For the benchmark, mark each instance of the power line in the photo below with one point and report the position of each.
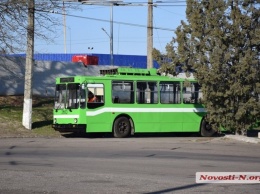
(103, 20)
(131, 3)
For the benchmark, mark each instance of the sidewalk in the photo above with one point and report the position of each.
(243, 138)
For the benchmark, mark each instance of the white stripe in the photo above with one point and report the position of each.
(66, 116)
(159, 110)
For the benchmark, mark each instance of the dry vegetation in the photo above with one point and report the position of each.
(11, 108)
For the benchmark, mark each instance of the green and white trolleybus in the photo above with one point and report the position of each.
(129, 101)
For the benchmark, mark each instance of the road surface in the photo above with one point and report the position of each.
(131, 165)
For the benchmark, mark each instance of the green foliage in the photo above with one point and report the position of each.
(221, 42)
(168, 61)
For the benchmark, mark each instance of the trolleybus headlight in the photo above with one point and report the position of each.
(75, 120)
(55, 120)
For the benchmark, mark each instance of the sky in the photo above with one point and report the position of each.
(84, 32)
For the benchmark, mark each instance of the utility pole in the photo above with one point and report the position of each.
(64, 28)
(111, 36)
(150, 35)
(27, 105)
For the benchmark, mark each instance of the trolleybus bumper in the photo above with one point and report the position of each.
(80, 128)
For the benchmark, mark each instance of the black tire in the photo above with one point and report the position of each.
(121, 127)
(206, 129)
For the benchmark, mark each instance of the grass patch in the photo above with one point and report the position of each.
(11, 113)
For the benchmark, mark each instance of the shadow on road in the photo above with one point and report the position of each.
(170, 190)
(253, 133)
(137, 135)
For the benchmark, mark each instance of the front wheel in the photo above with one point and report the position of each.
(121, 127)
(206, 129)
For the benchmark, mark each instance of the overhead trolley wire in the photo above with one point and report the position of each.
(103, 20)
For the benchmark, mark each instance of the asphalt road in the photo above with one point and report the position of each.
(131, 165)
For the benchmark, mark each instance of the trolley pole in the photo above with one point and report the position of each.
(27, 105)
(150, 35)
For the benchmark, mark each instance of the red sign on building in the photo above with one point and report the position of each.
(85, 59)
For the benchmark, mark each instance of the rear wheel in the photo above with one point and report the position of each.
(206, 129)
(122, 127)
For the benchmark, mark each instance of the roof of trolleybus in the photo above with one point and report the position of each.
(123, 73)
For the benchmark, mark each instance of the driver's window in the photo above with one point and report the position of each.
(95, 95)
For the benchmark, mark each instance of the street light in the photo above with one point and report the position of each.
(111, 45)
(110, 3)
(150, 27)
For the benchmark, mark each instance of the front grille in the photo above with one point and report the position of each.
(70, 127)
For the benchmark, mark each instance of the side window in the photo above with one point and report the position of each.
(170, 93)
(191, 93)
(123, 92)
(95, 95)
(146, 92)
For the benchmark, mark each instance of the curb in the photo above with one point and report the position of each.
(243, 138)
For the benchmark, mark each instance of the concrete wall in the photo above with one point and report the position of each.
(12, 70)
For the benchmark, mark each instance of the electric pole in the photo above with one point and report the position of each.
(64, 28)
(111, 36)
(27, 105)
(150, 35)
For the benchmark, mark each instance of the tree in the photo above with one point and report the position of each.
(169, 62)
(220, 42)
(27, 105)
(12, 19)
(13, 22)
(14, 27)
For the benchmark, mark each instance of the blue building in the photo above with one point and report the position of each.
(135, 61)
